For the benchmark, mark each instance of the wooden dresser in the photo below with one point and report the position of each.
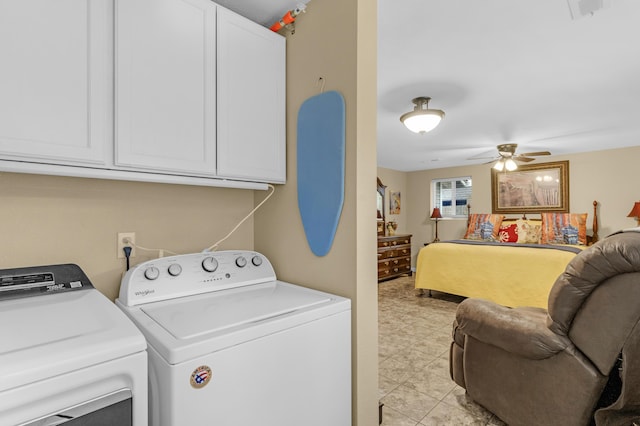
(394, 256)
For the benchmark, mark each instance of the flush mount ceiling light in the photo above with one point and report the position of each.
(422, 119)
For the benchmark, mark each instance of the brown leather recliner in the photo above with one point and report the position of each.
(532, 366)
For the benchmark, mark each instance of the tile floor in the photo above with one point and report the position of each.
(414, 339)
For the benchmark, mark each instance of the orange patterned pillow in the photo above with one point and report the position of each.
(564, 228)
(483, 227)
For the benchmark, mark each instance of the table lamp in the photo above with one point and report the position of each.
(437, 215)
(635, 212)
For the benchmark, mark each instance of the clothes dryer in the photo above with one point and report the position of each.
(67, 354)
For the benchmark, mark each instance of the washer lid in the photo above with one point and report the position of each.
(193, 326)
(45, 336)
(192, 317)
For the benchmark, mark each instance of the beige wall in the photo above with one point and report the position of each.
(48, 220)
(605, 176)
(335, 40)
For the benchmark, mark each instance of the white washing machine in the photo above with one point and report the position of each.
(67, 354)
(229, 345)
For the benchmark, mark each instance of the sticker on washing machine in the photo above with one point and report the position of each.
(200, 377)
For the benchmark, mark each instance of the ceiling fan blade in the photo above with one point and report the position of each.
(483, 158)
(535, 154)
(522, 158)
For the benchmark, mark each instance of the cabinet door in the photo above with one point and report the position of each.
(166, 85)
(56, 80)
(251, 100)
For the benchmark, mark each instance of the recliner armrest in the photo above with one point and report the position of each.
(522, 331)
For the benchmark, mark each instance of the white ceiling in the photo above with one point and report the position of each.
(506, 71)
(264, 12)
(519, 71)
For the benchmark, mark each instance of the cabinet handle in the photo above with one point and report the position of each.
(385, 244)
(395, 269)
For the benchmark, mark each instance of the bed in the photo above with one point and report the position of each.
(509, 273)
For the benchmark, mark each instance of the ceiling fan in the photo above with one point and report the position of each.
(507, 157)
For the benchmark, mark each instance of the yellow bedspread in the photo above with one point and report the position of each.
(508, 275)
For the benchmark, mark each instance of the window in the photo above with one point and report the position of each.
(452, 196)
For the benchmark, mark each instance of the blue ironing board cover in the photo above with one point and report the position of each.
(320, 160)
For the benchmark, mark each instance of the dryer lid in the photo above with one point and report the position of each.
(41, 337)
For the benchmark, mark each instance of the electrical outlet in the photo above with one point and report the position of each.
(123, 237)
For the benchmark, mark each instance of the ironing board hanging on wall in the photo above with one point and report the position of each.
(321, 155)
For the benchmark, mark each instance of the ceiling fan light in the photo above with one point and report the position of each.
(510, 165)
(422, 119)
(499, 166)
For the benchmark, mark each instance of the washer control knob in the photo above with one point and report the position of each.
(241, 262)
(175, 269)
(257, 260)
(209, 264)
(152, 273)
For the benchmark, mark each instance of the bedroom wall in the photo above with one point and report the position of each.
(606, 176)
(396, 182)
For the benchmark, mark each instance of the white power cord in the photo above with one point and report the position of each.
(214, 247)
(161, 252)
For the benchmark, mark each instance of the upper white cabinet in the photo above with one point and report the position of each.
(166, 85)
(56, 81)
(179, 91)
(180, 72)
(251, 100)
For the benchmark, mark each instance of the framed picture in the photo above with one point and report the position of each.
(531, 188)
(394, 202)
